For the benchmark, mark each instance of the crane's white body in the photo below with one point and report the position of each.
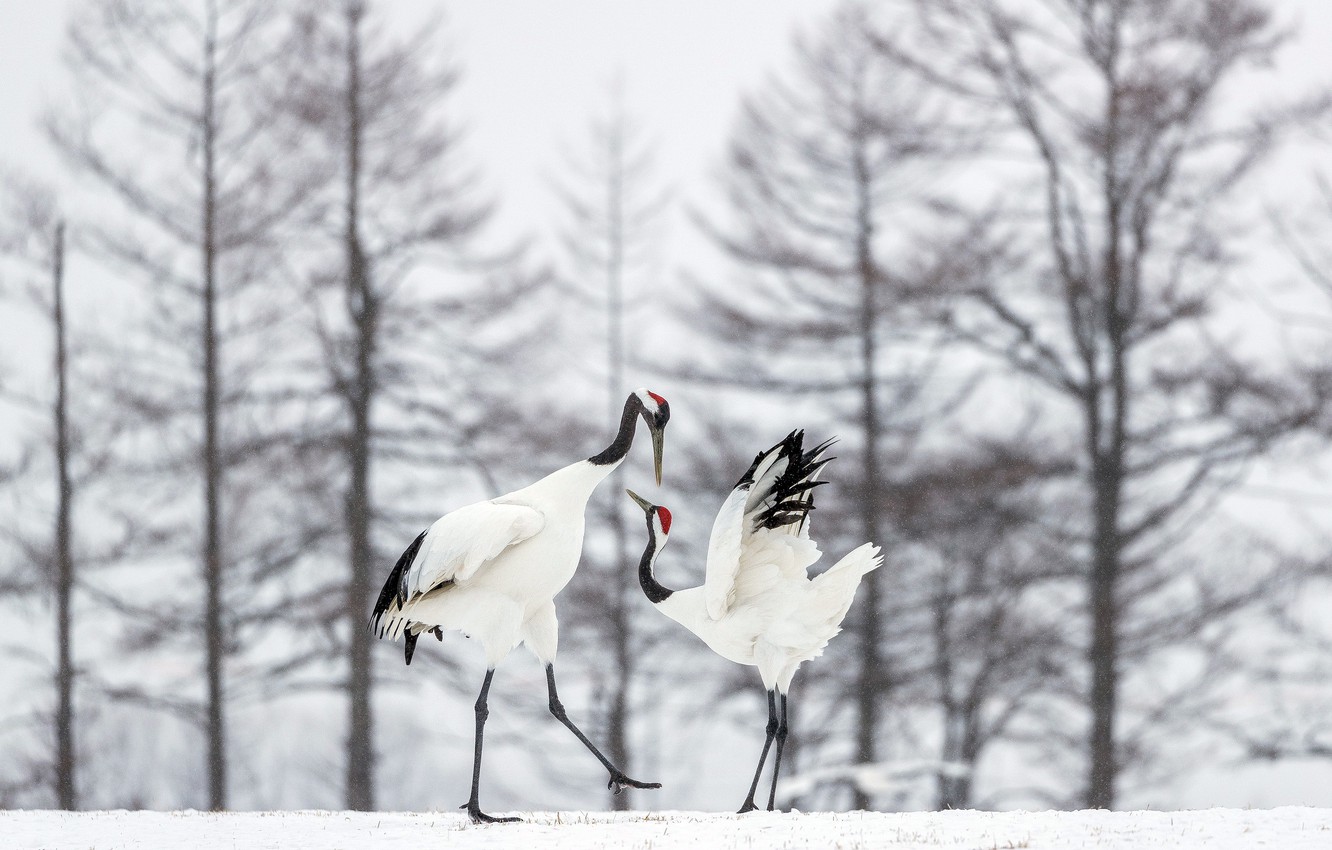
(492, 569)
(758, 605)
(781, 618)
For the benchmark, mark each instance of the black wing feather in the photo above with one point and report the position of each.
(394, 588)
(792, 495)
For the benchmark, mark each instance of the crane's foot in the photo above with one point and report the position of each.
(747, 807)
(618, 782)
(477, 816)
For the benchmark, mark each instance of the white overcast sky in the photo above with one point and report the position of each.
(534, 72)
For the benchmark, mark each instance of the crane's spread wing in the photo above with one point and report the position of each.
(769, 507)
(454, 548)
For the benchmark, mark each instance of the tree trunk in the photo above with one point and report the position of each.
(872, 676)
(946, 784)
(962, 748)
(1107, 473)
(617, 719)
(66, 761)
(214, 639)
(362, 308)
(1104, 644)
(953, 790)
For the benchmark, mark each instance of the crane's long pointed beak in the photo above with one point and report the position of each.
(642, 503)
(658, 438)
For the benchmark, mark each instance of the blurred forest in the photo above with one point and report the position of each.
(1054, 272)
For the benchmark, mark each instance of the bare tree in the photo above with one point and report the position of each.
(39, 237)
(831, 180)
(66, 769)
(614, 213)
(998, 646)
(66, 431)
(412, 323)
(1111, 303)
(186, 78)
(1291, 671)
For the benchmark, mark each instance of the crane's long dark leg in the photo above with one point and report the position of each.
(772, 733)
(777, 763)
(618, 780)
(473, 806)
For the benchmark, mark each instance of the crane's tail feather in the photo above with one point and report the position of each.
(835, 589)
(863, 559)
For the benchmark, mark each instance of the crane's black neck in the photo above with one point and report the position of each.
(616, 451)
(652, 588)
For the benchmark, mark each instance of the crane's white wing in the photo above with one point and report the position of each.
(728, 532)
(462, 541)
(763, 525)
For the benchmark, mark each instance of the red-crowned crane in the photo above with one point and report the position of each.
(757, 605)
(492, 569)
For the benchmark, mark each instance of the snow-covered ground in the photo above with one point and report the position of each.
(1215, 829)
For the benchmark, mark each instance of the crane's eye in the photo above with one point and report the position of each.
(664, 516)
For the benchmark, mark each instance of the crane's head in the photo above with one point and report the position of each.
(658, 518)
(659, 525)
(656, 413)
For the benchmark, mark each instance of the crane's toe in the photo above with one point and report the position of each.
(477, 816)
(618, 782)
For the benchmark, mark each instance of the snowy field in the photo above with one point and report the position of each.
(1216, 829)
